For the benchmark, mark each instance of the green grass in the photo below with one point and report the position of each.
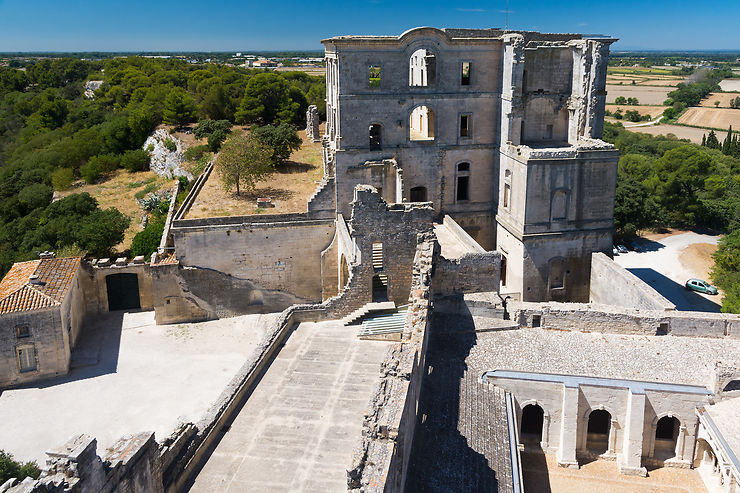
(137, 184)
(638, 71)
(142, 193)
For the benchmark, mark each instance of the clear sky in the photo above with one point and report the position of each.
(231, 25)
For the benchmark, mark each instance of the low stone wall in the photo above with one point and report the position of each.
(617, 320)
(380, 461)
(612, 284)
(166, 240)
(194, 191)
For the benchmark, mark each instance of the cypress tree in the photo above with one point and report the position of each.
(727, 144)
(712, 141)
(704, 140)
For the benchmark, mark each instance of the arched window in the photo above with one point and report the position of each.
(732, 385)
(421, 123)
(422, 68)
(532, 419)
(376, 137)
(463, 182)
(599, 426)
(559, 205)
(418, 194)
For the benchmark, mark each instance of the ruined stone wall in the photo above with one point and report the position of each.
(275, 253)
(380, 461)
(612, 284)
(471, 273)
(617, 320)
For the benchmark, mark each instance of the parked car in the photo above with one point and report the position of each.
(621, 249)
(700, 286)
(615, 251)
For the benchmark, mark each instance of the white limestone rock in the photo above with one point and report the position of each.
(165, 162)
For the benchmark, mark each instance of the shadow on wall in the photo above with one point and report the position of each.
(96, 352)
(441, 457)
(535, 474)
(677, 294)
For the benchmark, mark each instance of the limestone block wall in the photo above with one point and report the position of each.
(617, 320)
(279, 253)
(74, 309)
(471, 273)
(612, 284)
(96, 290)
(48, 338)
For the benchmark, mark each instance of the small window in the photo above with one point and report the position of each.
(503, 270)
(465, 74)
(23, 331)
(377, 256)
(463, 167)
(421, 124)
(463, 182)
(376, 137)
(464, 125)
(536, 320)
(27, 358)
(507, 193)
(374, 76)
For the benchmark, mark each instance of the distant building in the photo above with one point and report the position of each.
(41, 312)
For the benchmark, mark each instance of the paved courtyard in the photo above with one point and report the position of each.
(131, 376)
(661, 266)
(297, 430)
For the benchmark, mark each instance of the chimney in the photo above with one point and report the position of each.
(34, 279)
(44, 255)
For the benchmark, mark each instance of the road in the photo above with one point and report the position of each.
(660, 266)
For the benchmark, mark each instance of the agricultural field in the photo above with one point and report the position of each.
(729, 85)
(641, 76)
(649, 95)
(653, 111)
(289, 188)
(711, 117)
(723, 98)
(691, 133)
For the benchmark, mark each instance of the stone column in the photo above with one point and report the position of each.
(566, 455)
(680, 442)
(312, 123)
(631, 459)
(612, 437)
(545, 443)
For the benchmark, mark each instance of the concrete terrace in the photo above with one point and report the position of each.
(131, 376)
(297, 430)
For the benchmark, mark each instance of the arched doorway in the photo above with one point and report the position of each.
(123, 291)
(704, 458)
(732, 385)
(666, 436)
(599, 426)
(533, 417)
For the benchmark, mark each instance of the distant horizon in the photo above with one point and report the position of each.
(113, 26)
(315, 51)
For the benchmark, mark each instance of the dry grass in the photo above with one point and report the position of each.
(698, 258)
(723, 98)
(644, 94)
(118, 191)
(289, 188)
(730, 85)
(309, 70)
(653, 111)
(719, 118)
(691, 133)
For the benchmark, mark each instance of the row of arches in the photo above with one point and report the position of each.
(533, 431)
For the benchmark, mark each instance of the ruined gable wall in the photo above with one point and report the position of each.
(612, 284)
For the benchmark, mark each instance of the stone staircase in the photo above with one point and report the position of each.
(384, 327)
(322, 185)
(385, 306)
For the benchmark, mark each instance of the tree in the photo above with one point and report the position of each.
(269, 98)
(10, 468)
(100, 231)
(243, 161)
(620, 100)
(726, 271)
(62, 178)
(216, 131)
(35, 196)
(633, 101)
(146, 242)
(712, 141)
(179, 107)
(136, 160)
(283, 139)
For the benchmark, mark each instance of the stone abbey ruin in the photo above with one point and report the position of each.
(452, 268)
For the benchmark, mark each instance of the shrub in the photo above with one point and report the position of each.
(170, 145)
(195, 153)
(10, 468)
(62, 178)
(150, 148)
(137, 160)
(283, 139)
(146, 242)
(35, 196)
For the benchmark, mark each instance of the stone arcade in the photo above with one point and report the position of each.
(465, 221)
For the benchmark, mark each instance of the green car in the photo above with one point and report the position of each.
(700, 286)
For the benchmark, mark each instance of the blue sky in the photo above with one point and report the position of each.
(226, 25)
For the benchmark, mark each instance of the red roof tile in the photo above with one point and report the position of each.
(55, 277)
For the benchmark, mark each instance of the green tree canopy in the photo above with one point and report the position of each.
(243, 161)
(269, 98)
(179, 107)
(283, 139)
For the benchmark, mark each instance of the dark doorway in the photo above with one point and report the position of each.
(599, 424)
(380, 288)
(503, 270)
(123, 292)
(666, 436)
(376, 138)
(733, 385)
(418, 194)
(532, 419)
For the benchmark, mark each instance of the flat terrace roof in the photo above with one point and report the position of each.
(667, 359)
(487, 33)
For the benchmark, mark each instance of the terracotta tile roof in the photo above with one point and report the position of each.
(55, 277)
(169, 259)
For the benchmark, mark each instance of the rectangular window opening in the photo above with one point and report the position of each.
(23, 331)
(464, 125)
(27, 358)
(503, 270)
(465, 74)
(507, 193)
(377, 256)
(463, 183)
(374, 76)
(536, 320)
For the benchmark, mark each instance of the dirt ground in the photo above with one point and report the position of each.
(698, 257)
(289, 188)
(644, 94)
(542, 474)
(119, 191)
(653, 111)
(730, 85)
(720, 118)
(691, 133)
(723, 98)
